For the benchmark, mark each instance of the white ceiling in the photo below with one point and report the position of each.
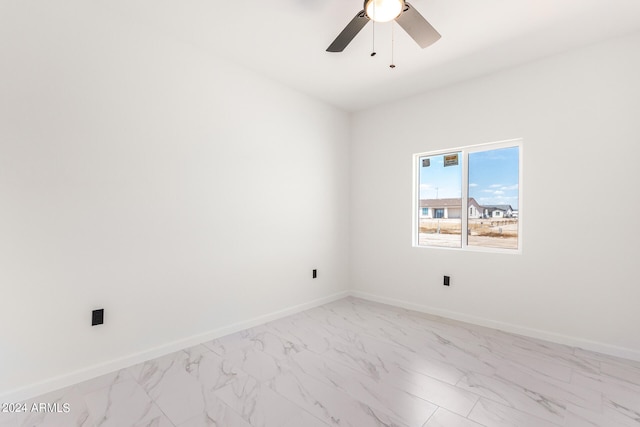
(286, 39)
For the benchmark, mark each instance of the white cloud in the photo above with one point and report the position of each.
(510, 187)
(499, 200)
(498, 193)
(495, 186)
(473, 184)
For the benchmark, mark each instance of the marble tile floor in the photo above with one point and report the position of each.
(357, 363)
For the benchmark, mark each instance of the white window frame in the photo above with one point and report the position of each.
(464, 154)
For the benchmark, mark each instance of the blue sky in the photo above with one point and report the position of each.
(439, 182)
(493, 178)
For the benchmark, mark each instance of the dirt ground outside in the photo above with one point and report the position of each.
(493, 233)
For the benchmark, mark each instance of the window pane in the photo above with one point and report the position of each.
(440, 219)
(493, 198)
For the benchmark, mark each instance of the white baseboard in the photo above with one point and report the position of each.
(52, 384)
(72, 378)
(585, 344)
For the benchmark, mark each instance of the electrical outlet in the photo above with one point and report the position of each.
(315, 274)
(446, 281)
(97, 317)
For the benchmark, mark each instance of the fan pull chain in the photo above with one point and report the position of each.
(393, 26)
(373, 39)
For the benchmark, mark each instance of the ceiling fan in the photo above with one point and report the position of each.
(384, 11)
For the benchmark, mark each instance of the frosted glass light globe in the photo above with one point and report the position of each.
(383, 10)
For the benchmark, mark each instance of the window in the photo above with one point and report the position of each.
(483, 181)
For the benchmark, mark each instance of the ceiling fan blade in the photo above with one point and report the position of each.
(417, 27)
(349, 32)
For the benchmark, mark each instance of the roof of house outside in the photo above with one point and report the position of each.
(447, 203)
(473, 202)
(500, 207)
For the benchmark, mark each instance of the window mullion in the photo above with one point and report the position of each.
(464, 215)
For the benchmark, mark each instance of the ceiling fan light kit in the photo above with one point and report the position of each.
(384, 11)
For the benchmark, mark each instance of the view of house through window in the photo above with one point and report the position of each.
(494, 192)
(441, 200)
(470, 197)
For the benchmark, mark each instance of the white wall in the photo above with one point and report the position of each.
(577, 279)
(180, 192)
(185, 194)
